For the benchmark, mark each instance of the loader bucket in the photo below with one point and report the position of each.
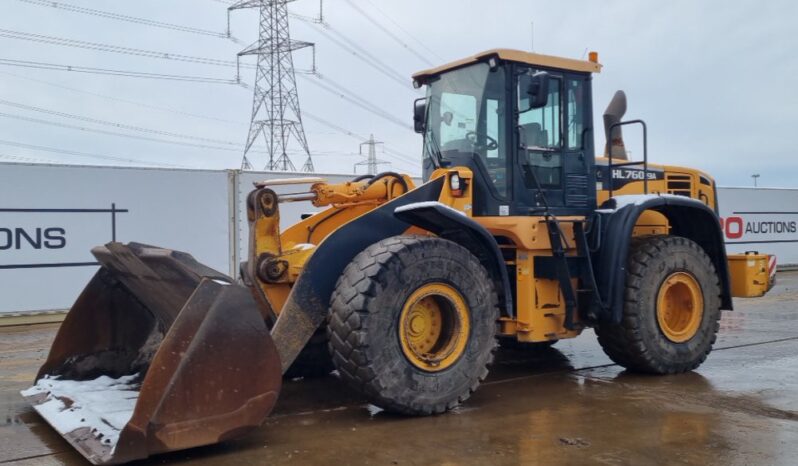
(159, 353)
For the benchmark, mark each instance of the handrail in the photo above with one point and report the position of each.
(645, 153)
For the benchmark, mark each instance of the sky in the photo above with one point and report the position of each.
(712, 79)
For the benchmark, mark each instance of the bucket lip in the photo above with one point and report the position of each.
(65, 404)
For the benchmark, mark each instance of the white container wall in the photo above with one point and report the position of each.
(51, 216)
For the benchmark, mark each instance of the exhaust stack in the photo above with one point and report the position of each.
(612, 115)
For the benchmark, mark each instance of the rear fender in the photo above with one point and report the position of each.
(688, 218)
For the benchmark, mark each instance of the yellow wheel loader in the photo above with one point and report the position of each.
(519, 233)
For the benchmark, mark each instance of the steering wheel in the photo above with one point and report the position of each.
(492, 144)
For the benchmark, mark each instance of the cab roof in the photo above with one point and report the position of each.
(519, 56)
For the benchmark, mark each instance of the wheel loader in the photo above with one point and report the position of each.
(519, 233)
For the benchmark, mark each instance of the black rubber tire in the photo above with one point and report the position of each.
(314, 360)
(637, 343)
(364, 318)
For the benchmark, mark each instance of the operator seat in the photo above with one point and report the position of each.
(533, 135)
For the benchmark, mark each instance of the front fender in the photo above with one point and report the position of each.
(453, 225)
(688, 218)
(309, 299)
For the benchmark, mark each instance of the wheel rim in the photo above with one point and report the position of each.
(434, 327)
(680, 307)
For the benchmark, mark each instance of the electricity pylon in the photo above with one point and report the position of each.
(275, 103)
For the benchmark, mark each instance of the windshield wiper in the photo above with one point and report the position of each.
(435, 153)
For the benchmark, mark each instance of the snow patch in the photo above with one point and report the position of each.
(419, 205)
(639, 199)
(105, 405)
(374, 410)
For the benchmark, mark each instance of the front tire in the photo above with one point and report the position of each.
(413, 324)
(671, 309)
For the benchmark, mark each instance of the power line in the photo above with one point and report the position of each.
(361, 54)
(27, 159)
(125, 73)
(327, 123)
(133, 102)
(127, 18)
(399, 26)
(351, 134)
(406, 158)
(336, 89)
(399, 155)
(342, 92)
(98, 121)
(113, 133)
(84, 154)
(388, 32)
(126, 101)
(41, 38)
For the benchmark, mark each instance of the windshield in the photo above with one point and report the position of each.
(466, 116)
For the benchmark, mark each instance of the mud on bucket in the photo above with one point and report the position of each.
(159, 353)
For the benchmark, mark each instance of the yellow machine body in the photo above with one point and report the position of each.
(539, 302)
(750, 277)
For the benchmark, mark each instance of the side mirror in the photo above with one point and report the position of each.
(420, 115)
(537, 90)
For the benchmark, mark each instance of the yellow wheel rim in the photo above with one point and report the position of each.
(434, 326)
(680, 307)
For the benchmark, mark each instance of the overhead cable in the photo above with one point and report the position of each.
(399, 26)
(54, 40)
(113, 133)
(336, 89)
(125, 73)
(98, 121)
(127, 18)
(388, 32)
(82, 154)
(126, 101)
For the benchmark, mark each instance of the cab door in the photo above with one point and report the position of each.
(553, 158)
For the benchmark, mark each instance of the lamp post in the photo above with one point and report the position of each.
(755, 176)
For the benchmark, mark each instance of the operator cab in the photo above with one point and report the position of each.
(522, 122)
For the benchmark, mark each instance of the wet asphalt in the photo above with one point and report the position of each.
(564, 405)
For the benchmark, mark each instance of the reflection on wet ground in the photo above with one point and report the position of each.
(563, 405)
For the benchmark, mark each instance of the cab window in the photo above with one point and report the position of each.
(458, 116)
(466, 115)
(540, 127)
(540, 132)
(576, 113)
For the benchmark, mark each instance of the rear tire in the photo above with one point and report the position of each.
(378, 331)
(671, 309)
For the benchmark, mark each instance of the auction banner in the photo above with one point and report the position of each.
(52, 216)
(761, 219)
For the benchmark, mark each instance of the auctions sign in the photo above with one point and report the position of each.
(762, 220)
(47, 238)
